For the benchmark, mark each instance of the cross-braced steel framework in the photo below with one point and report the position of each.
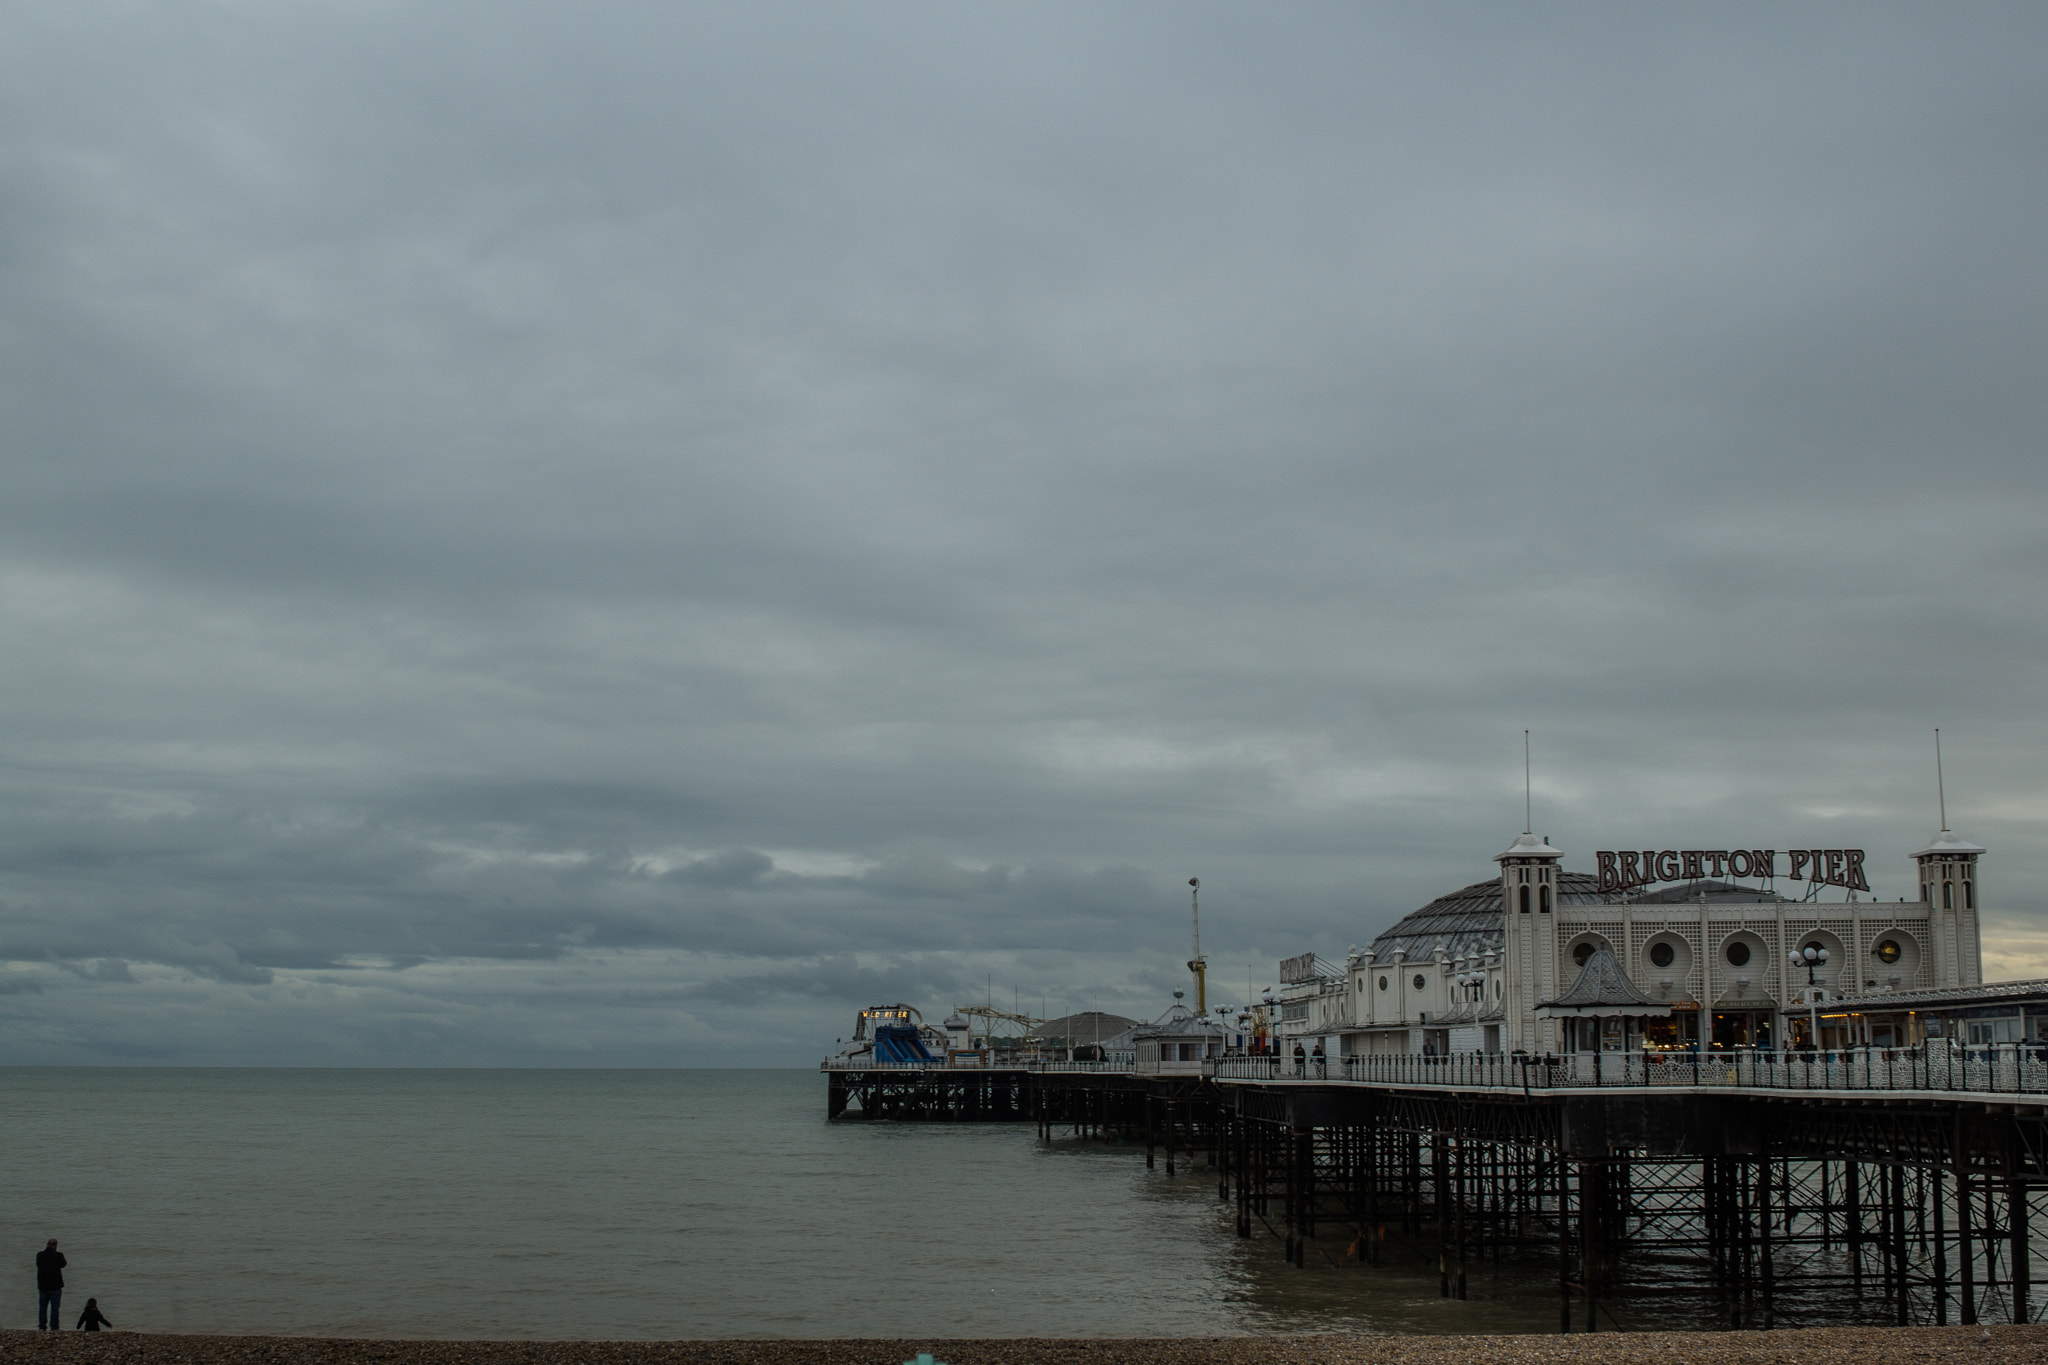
(1747, 1210)
(1744, 1212)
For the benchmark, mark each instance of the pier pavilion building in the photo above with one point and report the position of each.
(1706, 934)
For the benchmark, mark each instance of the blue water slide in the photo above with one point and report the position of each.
(900, 1045)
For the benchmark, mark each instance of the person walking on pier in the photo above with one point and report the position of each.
(50, 1265)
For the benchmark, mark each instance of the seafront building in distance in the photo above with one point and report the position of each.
(1659, 949)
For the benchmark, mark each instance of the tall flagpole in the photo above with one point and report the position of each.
(1940, 792)
(1528, 821)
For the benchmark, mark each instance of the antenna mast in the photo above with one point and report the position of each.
(1528, 821)
(1198, 964)
(1940, 792)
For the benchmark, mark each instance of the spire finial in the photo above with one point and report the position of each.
(1528, 822)
(1940, 792)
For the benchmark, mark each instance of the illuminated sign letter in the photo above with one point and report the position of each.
(1834, 877)
(1798, 869)
(1630, 874)
(1855, 869)
(1610, 879)
(1763, 862)
(1667, 865)
(1739, 863)
(1715, 858)
(1693, 871)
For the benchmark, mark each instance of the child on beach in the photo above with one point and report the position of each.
(91, 1320)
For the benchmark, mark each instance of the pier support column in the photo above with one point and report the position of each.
(1940, 1249)
(2022, 1271)
(1966, 1247)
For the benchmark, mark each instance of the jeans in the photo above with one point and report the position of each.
(46, 1304)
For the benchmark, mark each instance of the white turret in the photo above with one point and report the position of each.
(1948, 883)
(1528, 899)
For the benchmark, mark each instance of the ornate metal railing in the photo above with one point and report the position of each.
(2003, 1068)
(843, 1064)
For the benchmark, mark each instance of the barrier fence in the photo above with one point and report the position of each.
(2005, 1068)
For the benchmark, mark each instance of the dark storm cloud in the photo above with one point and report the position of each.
(524, 530)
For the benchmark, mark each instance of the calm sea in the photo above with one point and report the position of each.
(632, 1204)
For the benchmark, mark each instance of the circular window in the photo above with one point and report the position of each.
(1383, 983)
(1738, 954)
(1889, 951)
(1662, 955)
(1581, 953)
(1420, 982)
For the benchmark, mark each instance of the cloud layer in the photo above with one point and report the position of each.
(535, 537)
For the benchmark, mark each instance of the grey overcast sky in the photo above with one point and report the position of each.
(565, 534)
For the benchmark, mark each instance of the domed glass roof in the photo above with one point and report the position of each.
(1467, 921)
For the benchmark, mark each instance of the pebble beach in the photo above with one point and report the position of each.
(1998, 1345)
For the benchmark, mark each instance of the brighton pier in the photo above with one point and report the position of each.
(1755, 1190)
(1708, 1105)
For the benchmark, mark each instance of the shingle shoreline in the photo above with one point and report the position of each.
(2007, 1345)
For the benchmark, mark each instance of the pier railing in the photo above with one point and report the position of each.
(2002, 1068)
(844, 1064)
(2005, 1068)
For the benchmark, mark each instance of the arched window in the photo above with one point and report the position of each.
(1948, 895)
(1546, 900)
(1525, 900)
(1969, 899)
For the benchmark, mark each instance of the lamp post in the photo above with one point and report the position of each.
(1812, 957)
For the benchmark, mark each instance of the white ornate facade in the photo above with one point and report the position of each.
(1468, 971)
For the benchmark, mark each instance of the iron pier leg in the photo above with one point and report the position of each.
(1852, 1223)
(1564, 1246)
(1966, 1247)
(1940, 1251)
(1767, 1271)
(2021, 1271)
(1900, 1260)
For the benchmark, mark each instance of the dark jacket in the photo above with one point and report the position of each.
(50, 1265)
(91, 1320)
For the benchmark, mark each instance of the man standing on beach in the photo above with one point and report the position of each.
(49, 1286)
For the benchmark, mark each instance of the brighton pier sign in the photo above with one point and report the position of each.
(1626, 868)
